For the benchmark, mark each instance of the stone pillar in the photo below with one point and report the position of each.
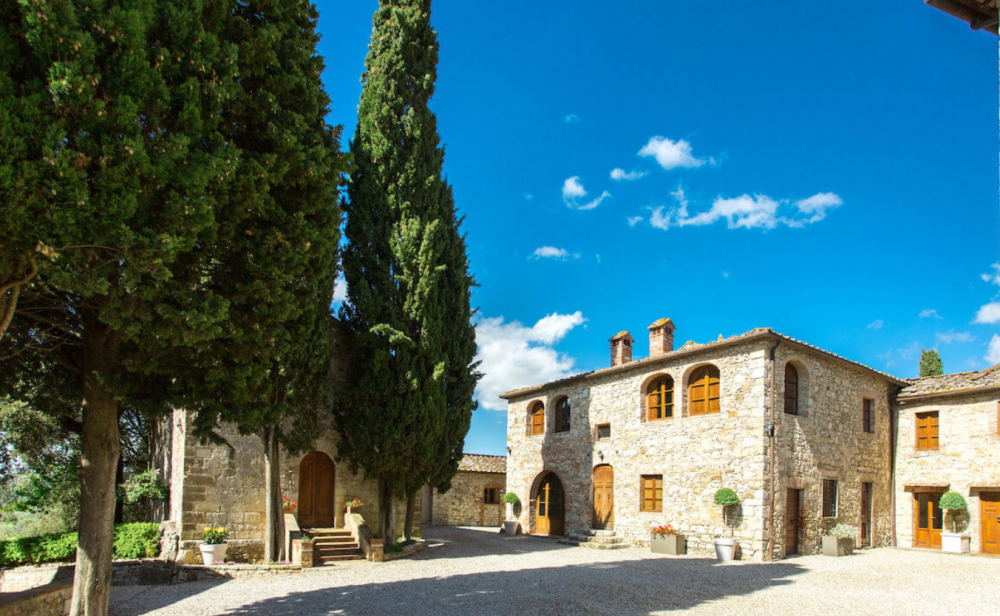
(302, 553)
(661, 337)
(621, 348)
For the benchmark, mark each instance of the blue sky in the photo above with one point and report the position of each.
(830, 174)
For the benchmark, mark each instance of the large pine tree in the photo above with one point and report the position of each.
(406, 283)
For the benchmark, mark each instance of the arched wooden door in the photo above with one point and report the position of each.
(316, 476)
(549, 506)
(604, 497)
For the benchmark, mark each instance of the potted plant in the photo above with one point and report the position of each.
(839, 540)
(664, 539)
(958, 543)
(213, 545)
(354, 503)
(510, 523)
(376, 539)
(725, 548)
(289, 506)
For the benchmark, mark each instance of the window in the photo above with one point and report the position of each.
(603, 432)
(537, 419)
(703, 391)
(791, 390)
(660, 399)
(927, 431)
(829, 498)
(652, 493)
(491, 496)
(562, 415)
(868, 413)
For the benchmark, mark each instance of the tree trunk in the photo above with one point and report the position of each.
(386, 512)
(411, 505)
(274, 525)
(8, 303)
(99, 451)
(119, 480)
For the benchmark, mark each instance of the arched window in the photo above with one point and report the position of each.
(562, 415)
(537, 419)
(703, 391)
(791, 390)
(660, 399)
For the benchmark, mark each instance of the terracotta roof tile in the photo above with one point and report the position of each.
(954, 382)
(482, 463)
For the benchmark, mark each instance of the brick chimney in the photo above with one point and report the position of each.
(621, 348)
(661, 337)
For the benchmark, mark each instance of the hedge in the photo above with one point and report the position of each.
(131, 541)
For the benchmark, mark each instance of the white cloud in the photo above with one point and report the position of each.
(595, 202)
(551, 252)
(876, 324)
(928, 313)
(571, 118)
(725, 275)
(671, 154)
(572, 188)
(993, 352)
(815, 208)
(953, 336)
(659, 220)
(340, 289)
(620, 174)
(994, 276)
(988, 314)
(513, 355)
(745, 211)
(634, 220)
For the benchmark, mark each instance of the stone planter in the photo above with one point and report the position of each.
(956, 543)
(377, 541)
(837, 546)
(302, 553)
(725, 550)
(211, 552)
(675, 545)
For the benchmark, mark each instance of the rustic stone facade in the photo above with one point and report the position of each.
(465, 503)
(967, 457)
(697, 455)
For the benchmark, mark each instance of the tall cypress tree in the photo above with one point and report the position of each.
(930, 363)
(394, 417)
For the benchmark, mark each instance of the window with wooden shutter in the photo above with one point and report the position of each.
(652, 493)
(562, 415)
(829, 498)
(491, 496)
(868, 415)
(538, 419)
(660, 399)
(703, 391)
(927, 431)
(791, 390)
(603, 432)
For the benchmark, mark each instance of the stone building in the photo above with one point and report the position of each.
(802, 435)
(949, 439)
(476, 494)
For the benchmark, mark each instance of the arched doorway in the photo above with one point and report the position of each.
(604, 497)
(316, 475)
(549, 505)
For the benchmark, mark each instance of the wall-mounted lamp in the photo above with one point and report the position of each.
(508, 451)
(768, 427)
(600, 454)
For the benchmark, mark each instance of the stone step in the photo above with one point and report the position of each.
(327, 532)
(592, 545)
(321, 540)
(337, 549)
(327, 560)
(604, 539)
(597, 533)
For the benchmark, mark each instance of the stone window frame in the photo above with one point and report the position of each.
(686, 393)
(556, 415)
(644, 400)
(802, 393)
(868, 419)
(823, 497)
(497, 491)
(530, 418)
(597, 432)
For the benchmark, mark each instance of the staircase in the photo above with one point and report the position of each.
(333, 544)
(595, 539)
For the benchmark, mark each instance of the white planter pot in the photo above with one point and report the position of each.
(510, 527)
(212, 552)
(725, 549)
(956, 543)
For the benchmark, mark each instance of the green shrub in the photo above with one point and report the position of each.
(145, 485)
(56, 548)
(952, 501)
(726, 497)
(511, 499)
(843, 531)
(141, 540)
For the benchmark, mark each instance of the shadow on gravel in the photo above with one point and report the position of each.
(615, 587)
(481, 542)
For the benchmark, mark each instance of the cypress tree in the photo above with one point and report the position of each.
(394, 419)
(930, 363)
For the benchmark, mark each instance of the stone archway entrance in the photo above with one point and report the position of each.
(550, 505)
(316, 479)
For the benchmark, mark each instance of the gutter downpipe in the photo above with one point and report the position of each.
(891, 395)
(770, 448)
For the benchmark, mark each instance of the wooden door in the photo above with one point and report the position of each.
(989, 523)
(604, 497)
(316, 480)
(867, 491)
(927, 520)
(793, 521)
(549, 507)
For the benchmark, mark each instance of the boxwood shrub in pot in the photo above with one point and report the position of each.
(839, 540)
(952, 503)
(510, 523)
(725, 547)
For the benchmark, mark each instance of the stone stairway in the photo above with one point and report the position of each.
(595, 539)
(333, 544)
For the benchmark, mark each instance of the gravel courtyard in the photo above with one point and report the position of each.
(473, 571)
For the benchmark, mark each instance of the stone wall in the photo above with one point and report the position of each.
(967, 459)
(826, 440)
(463, 504)
(698, 455)
(142, 572)
(52, 600)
